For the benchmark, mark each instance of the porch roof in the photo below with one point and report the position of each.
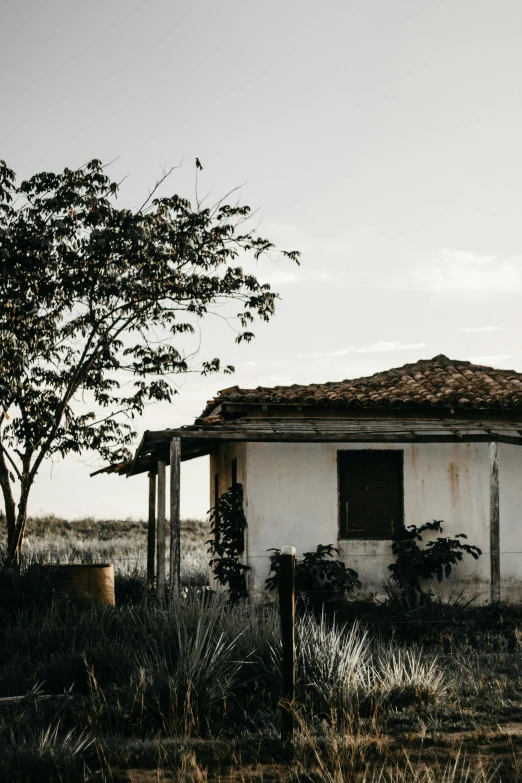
(200, 439)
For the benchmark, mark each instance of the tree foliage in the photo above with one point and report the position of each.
(95, 302)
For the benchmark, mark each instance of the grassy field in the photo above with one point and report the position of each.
(122, 542)
(189, 691)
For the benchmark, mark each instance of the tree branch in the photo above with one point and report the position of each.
(158, 184)
(13, 463)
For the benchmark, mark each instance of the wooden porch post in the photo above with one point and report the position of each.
(160, 566)
(151, 529)
(287, 614)
(494, 522)
(175, 554)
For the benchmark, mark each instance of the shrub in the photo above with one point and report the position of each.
(415, 565)
(315, 576)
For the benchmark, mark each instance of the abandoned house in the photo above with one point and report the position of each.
(351, 463)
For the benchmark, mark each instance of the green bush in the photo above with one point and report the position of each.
(316, 577)
(414, 565)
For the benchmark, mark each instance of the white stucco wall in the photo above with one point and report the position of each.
(510, 503)
(291, 498)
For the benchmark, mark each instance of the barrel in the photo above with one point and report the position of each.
(86, 582)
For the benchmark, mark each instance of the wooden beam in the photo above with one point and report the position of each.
(151, 529)
(302, 410)
(160, 565)
(197, 440)
(138, 450)
(274, 428)
(340, 436)
(494, 522)
(175, 553)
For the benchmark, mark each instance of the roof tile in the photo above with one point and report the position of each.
(439, 382)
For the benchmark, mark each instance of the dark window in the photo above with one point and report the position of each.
(370, 493)
(234, 472)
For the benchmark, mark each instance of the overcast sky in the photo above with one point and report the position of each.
(382, 138)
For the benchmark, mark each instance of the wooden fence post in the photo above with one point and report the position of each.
(494, 522)
(287, 613)
(175, 554)
(151, 530)
(160, 565)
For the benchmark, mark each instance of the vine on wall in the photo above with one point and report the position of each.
(227, 525)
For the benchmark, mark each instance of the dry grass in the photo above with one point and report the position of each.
(50, 539)
(190, 691)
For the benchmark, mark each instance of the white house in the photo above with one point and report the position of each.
(352, 462)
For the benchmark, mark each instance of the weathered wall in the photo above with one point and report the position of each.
(221, 463)
(510, 503)
(291, 498)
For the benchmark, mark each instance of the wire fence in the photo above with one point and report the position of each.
(196, 569)
(89, 558)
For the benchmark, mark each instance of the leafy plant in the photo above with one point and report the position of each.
(228, 524)
(414, 565)
(96, 303)
(314, 574)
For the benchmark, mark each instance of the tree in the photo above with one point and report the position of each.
(91, 293)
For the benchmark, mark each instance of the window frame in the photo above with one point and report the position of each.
(399, 527)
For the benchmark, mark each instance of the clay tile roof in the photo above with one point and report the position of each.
(439, 382)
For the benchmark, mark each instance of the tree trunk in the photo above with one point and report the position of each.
(14, 548)
(10, 507)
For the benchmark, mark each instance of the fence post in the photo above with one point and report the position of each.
(287, 613)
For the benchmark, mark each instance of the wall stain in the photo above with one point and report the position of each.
(453, 474)
(414, 458)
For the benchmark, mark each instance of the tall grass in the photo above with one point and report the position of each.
(53, 540)
(188, 671)
(146, 684)
(404, 676)
(334, 664)
(45, 753)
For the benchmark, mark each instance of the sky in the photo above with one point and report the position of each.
(381, 138)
